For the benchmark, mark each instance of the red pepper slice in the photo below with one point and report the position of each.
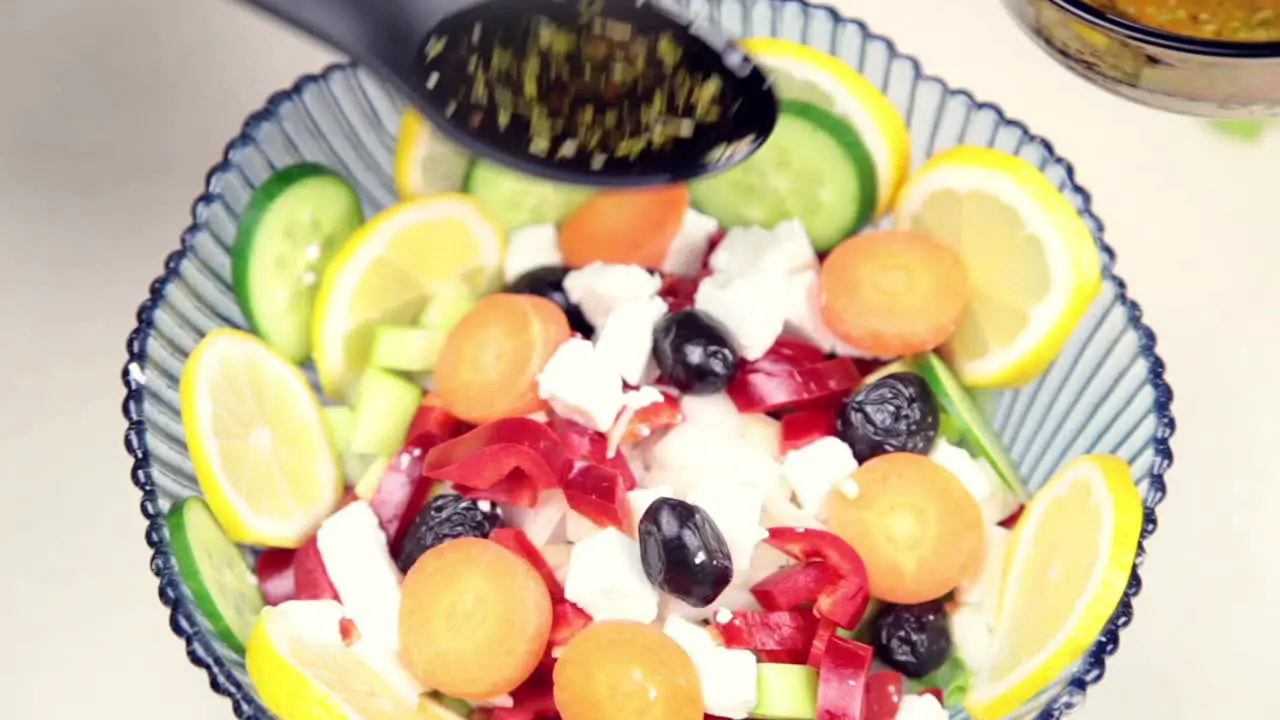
(600, 494)
(1009, 522)
(843, 602)
(309, 576)
(806, 426)
(788, 631)
(842, 680)
(567, 620)
(884, 696)
(653, 418)
(789, 352)
(435, 419)
(821, 638)
(755, 391)
(794, 586)
(517, 488)
(517, 542)
(582, 444)
(275, 575)
(484, 456)
(678, 291)
(402, 491)
(783, 657)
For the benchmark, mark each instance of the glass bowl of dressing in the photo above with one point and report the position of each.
(1212, 58)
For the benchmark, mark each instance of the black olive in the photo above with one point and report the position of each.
(912, 639)
(683, 552)
(896, 413)
(693, 352)
(548, 282)
(446, 517)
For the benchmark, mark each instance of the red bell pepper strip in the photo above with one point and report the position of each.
(402, 491)
(755, 391)
(517, 542)
(804, 427)
(435, 419)
(783, 657)
(884, 696)
(794, 586)
(582, 444)
(309, 576)
(517, 488)
(843, 602)
(482, 457)
(567, 620)
(653, 418)
(678, 291)
(789, 352)
(769, 631)
(842, 680)
(826, 630)
(1009, 522)
(275, 575)
(600, 494)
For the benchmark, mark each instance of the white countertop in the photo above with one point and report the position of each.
(112, 112)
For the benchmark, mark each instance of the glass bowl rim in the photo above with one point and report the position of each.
(1147, 35)
(184, 618)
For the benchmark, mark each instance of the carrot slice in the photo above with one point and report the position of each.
(915, 525)
(474, 619)
(632, 226)
(623, 670)
(893, 292)
(489, 365)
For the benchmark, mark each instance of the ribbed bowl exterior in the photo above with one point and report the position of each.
(1105, 393)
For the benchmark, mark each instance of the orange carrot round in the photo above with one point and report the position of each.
(632, 226)
(474, 619)
(489, 365)
(617, 670)
(893, 292)
(917, 528)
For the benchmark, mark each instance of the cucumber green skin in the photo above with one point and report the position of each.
(708, 198)
(491, 185)
(180, 541)
(955, 401)
(242, 253)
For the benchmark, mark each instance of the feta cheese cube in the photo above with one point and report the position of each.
(579, 527)
(530, 248)
(691, 454)
(804, 314)
(580, 386)
(921, 707)
(749, 250)
(813, 470)
(735, 509)
(977, 476)
(625, 341)
(714, 412)
(972, 638)
(728, 677)
(599, 288)
(752, 308)
(762, 433)
(607, 580)
(691, 243)
(353, 548)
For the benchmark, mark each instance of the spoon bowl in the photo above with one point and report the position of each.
(622, 93)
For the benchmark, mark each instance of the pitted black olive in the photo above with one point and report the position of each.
(912, 639)
(548, 282)
(683, 552)
(694, 353)
(446, 517)
(897, 413)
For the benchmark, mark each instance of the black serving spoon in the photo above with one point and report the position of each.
(570, 90)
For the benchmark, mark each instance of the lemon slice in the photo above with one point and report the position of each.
(426, 162)
(1033, 265)
(1069, 562)
(303, 670)
(258, 441)
(800, 72)
(387, 272)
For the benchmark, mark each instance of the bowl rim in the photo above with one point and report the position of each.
(184, 620)
(1147, 35)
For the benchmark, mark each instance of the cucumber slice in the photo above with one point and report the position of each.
(340, 420)
(368, 483)
(214, 570)
(786, 692)
(447, 306)
(976, 434)
(517, 200)
(291, 228)
(452, 704)
(385, 406)
(813, 167)
(404, 348)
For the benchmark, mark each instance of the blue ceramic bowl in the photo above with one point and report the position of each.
(1106, 393)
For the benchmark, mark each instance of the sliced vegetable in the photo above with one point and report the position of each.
(977, 436)
(448, 304)
(582, 444)
(802, 428)
(884, 696)
(599, 494)
(821, 637)
(474, 619)
(618, 670)
(435, 419)
(310, 579)
(490, 362)
(405, 348)
(367, 486)
(786, 692)
(844, 601)
(842, 680)
(632, 226)
(786, 632)
(292, 226)
(893, 292)
(461, 708)
(794, 586)
(402, 490)
(385, 405)
(913, 523)
(517, 542)
(653, 418)
(341, 421)
(481, 458)
(275, 575)
(813, 167)
(754, 391)
(517, 200)
(214, 570)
